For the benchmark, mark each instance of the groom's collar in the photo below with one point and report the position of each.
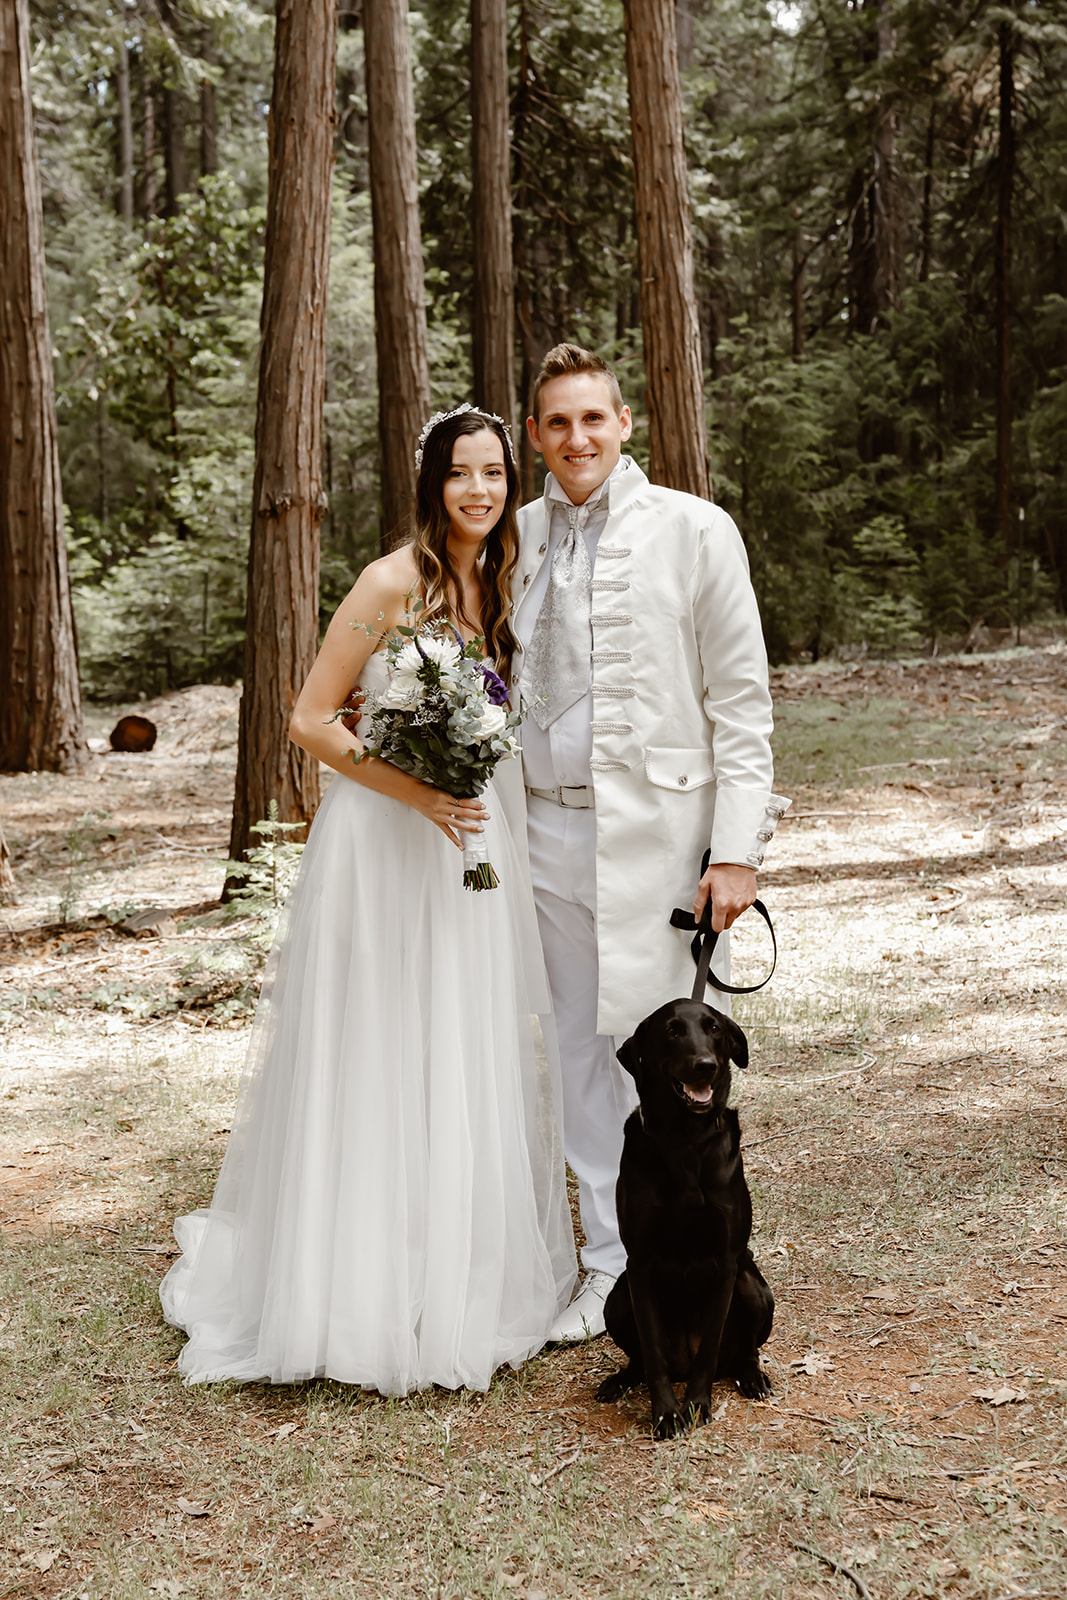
(626, 467)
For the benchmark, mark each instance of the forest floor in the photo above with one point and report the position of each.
(903, 1124)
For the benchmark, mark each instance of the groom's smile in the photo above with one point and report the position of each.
(579, 432)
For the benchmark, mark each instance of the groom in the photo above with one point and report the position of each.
(646, 738)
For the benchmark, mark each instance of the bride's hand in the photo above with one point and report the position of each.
(452, 816)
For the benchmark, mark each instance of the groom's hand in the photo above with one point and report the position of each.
(732, 890)
(353, 709)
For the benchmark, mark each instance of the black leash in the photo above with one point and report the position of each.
(704, 942)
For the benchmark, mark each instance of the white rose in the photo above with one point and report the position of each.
(493, 721)
(403, 694)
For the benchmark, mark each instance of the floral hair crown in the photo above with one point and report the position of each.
(461, 411)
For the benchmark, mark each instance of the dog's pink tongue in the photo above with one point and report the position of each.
(701, 1096)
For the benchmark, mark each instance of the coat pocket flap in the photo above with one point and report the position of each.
(670, 768)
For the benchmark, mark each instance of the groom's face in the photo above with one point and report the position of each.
(579, 432)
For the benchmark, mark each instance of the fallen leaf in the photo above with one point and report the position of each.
(170, 1587)
(44, 1560)
(513, 1580)
(285, 1430)
(322, 1524)
(861, 1555)
(999, 1397)
(135, 1427)
(886, 1292)
(192, 1508)
(813, 1364)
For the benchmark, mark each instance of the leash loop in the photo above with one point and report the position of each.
(705, 939)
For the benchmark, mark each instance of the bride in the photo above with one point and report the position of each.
(391, 1210)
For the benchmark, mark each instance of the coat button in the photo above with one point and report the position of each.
(542, 550)
(526, 580)
(682, 781)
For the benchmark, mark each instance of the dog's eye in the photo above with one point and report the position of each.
(711, 1026)
(675, 1029)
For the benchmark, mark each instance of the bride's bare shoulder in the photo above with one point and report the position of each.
(387, 583)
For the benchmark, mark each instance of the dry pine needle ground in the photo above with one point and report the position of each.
(903, 1120)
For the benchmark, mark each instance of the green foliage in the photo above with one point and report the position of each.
(264, 879)
(831, 412)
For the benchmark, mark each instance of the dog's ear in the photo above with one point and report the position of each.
(629, 1056)
(737, 1044)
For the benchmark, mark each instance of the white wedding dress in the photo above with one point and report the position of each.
(391, 1210)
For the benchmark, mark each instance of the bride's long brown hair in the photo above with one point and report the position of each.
(499, 554)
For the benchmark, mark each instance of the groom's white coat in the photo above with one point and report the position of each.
(681, 726)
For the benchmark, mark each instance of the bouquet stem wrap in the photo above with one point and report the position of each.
(477, 868)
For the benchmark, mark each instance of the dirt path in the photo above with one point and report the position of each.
(903, 1121)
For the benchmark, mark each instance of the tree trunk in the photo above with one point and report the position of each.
(122, 90)
(873, 202)
(1005, 185)
(7, 876)
(175, 164)
(40, 704)
(926, 210)
(209, 118)
(399, 308)
(797, 287)
(677, 443)
(885, 222)
(492, 311)
(281, 630)
(148, 144)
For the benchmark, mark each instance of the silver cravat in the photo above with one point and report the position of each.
(557, 661)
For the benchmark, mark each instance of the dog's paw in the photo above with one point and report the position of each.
(754, 1383)
(615, 1387)
(669, 1425)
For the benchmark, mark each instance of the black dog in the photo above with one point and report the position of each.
(692, 1305)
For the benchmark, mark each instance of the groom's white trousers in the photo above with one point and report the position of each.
(598, 1095)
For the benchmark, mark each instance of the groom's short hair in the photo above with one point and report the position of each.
(567, 359)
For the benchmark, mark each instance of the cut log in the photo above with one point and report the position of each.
(133, 734)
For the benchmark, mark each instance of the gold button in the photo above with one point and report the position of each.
(526, 580)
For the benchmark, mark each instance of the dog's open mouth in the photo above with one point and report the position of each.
(699, 1097)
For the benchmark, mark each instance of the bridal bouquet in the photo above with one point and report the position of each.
(445, 719)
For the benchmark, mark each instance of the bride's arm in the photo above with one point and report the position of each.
(374, 606)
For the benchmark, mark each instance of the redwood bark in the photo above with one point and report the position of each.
(1005, 186)
(677, 442)
(40, 703)
(281, 631)
(122, 92)
(399, 304)
(492, 312)
(209, 117)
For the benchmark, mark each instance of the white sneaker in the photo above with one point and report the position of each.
(584, 1317)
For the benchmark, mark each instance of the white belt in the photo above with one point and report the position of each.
(574, 797)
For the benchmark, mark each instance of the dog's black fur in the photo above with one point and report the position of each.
(692, 1305)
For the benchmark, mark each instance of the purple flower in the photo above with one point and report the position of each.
(495, 688)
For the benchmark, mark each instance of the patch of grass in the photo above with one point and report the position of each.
(834, 745)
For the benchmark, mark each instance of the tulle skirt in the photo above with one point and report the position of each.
(391, 1210)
